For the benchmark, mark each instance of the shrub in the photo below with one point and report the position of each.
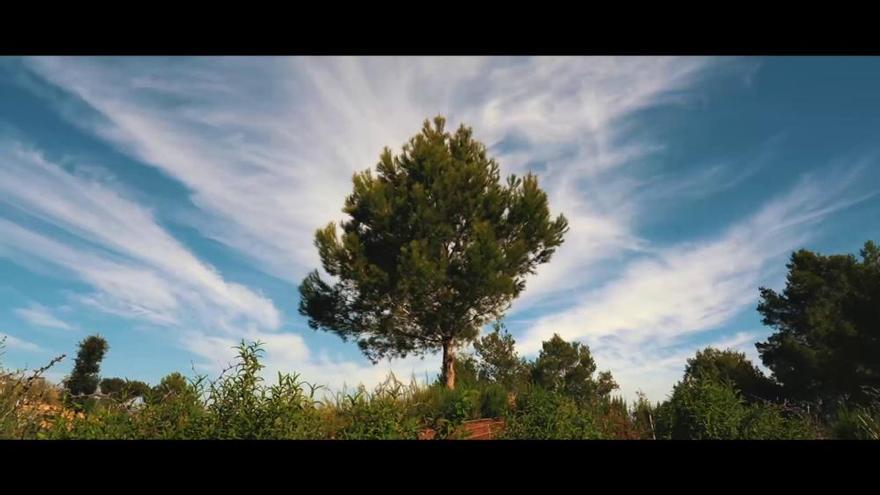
(493, 401)
(856, 422)
(443, 410)
(706, 409)
(25, 400)
(767, 421)
(546, 415)
(388, 413)
(644, 416)
(615, 420)
(702, 410)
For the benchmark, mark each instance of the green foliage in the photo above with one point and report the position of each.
(498, 361)
(237, 405)
(616, 420)
(732, 366)
(388, 413)
(859, 422)
(827, 341)
(83, 380)
(436, 246)
(702, 410)
(171, 386)
(21, 395)
(174, 410)
(768, 421)
(709, 409)
(644, 418)
(466, 374)
(548, 415)
(241, 406)
(443, 409)
(123, 389)
(568, 368)
(494, 401)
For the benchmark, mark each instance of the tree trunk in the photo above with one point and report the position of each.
(449, 365)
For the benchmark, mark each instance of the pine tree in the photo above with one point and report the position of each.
(568, 368)
(436, 246)
(827, 340)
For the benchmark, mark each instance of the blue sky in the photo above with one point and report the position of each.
(169, 204)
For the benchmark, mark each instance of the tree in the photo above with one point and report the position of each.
(435, 247)
(733, 367)
(568, 368)
(172, 385)
(466, 373)
(112, 386)
(136, 388)
(827, 340)
(498, 360)
(83, 380)
(123, 388)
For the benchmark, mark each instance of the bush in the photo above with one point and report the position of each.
(702, 410)
(767, 421)
(616, 421)
(388, 413)
(644, 417)
(705, 409)
(856, 423)
(26, 400)
(493, 401)
(547, 415)
(239, 404)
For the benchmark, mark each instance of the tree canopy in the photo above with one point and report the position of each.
(499, 361)
(83, 380)
(436, 245)
(827, 340)
(123, 388)
(733, 367)
(568, 367)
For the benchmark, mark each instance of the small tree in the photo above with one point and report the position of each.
(83, 380)
(568, 368)
(436, 246)
(498, 360)
(172, 385)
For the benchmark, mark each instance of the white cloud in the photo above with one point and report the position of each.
(267, 147)
(12, 342)
(41, 316)
(115, 245)
(288, 353)
(635, 323)
(654, 369)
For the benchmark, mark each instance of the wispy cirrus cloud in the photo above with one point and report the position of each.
(41, 316)
(116, 246)
(266, 148)
(13, 342)
(637, 323)
(138, 271)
